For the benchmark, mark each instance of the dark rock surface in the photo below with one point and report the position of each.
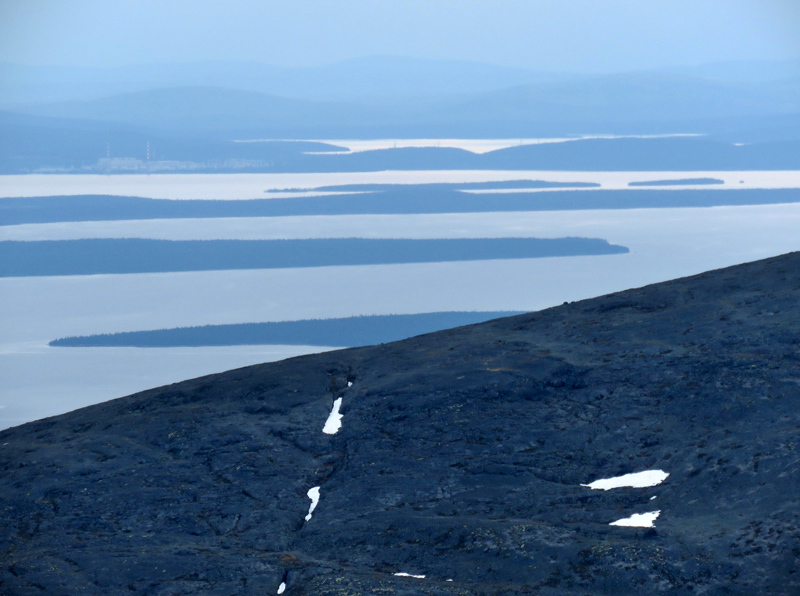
(461, 456)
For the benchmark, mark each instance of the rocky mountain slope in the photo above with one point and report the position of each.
(462, 457)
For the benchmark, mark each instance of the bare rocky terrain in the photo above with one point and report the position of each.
(461, 456)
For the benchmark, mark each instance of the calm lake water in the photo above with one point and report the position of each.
(254, 186)
(39, 380)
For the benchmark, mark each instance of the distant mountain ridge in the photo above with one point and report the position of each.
(96, 113)
(370, 78)
(204, 110)
(620, 103)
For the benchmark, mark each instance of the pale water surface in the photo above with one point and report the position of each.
(254, 186)
(39, 381)
(472, 145)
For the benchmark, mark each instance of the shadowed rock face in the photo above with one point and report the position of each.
(461, 456)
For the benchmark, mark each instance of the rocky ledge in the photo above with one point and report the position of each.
(459, 462)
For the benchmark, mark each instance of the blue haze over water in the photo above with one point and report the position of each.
(376, 261)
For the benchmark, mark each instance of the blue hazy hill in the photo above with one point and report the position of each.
(666, 154)
(630, 97)
(624, 103)
(192, 112)
(205, 110)
(371, 78)
(29, 143)
(754, 71)
(620, 154)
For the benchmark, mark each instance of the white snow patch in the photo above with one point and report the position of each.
(281, 588)
(636, 480)
(410, 575)
(638, 520)
(313, 494)
(334, 421)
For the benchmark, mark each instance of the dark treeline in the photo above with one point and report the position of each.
(344, 332)
(399, 199)
(97, 256)
(490, 185)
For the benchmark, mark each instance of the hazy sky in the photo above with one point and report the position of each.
(575, 35)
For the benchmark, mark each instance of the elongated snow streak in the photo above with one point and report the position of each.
(410, 575)
(334, 421)
(281, 588)
(636, 480)
(638, 520)
(313, 494)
